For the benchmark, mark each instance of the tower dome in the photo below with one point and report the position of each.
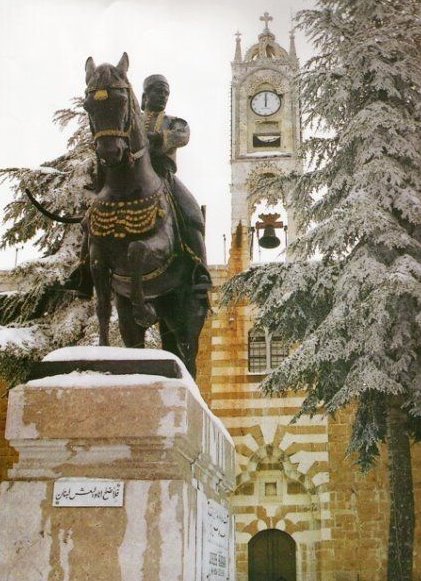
(266, 47)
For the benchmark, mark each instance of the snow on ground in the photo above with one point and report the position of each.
(21, 337)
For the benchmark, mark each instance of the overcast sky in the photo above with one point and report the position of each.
(43, 48)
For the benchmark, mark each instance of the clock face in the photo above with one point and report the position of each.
(265, 103)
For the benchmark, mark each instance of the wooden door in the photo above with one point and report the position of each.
(272, 557)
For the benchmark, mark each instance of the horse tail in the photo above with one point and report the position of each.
(52, 215)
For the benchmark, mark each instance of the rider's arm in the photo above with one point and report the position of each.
(176, 133)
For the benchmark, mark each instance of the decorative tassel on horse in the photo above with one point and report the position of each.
(124, 218)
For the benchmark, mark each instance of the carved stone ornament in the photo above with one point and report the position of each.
(257, 188)
(266, 50)
(273, 78)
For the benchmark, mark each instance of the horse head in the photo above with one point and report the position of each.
(113, 112)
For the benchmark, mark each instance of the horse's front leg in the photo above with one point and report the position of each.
(133, 335)
(143, 312)
(102, 282)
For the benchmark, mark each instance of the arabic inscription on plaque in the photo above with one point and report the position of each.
(88, 492)
(216, 538)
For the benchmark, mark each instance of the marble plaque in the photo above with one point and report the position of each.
(88, 492)
(216, 542)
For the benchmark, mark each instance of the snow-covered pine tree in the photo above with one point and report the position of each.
(351, 295)
(41, 317)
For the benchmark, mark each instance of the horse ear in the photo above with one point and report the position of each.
(89, 69)
(123, 65)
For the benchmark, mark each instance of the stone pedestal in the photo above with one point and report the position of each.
(148, 443)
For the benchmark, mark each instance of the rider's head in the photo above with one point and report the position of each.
(156, 91)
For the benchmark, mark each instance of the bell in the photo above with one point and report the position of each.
(269, 238)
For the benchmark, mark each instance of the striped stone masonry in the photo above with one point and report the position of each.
(292, 477)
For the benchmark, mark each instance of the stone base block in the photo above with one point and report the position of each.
(161, 532)
(154, 439)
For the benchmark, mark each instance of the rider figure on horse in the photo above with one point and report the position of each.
(165, 134)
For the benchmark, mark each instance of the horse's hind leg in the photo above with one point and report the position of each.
(184, 316)
(102, 282)
(132, 334)
(168, 339)
(195, 310)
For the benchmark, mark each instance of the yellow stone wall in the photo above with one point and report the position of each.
(337, 516)
(360, 511)
(8, 455)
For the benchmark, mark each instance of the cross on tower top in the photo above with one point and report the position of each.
(238, 35)
(266, 19)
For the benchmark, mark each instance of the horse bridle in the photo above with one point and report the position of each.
(101, 94)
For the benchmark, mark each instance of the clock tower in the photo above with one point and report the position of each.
(302, 511)
(265, 125)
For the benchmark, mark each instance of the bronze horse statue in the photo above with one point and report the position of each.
(135, 234)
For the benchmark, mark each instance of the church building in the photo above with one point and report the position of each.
(303, 512)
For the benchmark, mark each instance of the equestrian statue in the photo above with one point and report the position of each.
(144, 232)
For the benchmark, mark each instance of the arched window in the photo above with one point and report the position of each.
(272, 557)
(265, 351)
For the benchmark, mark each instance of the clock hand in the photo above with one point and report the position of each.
(266, 99)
